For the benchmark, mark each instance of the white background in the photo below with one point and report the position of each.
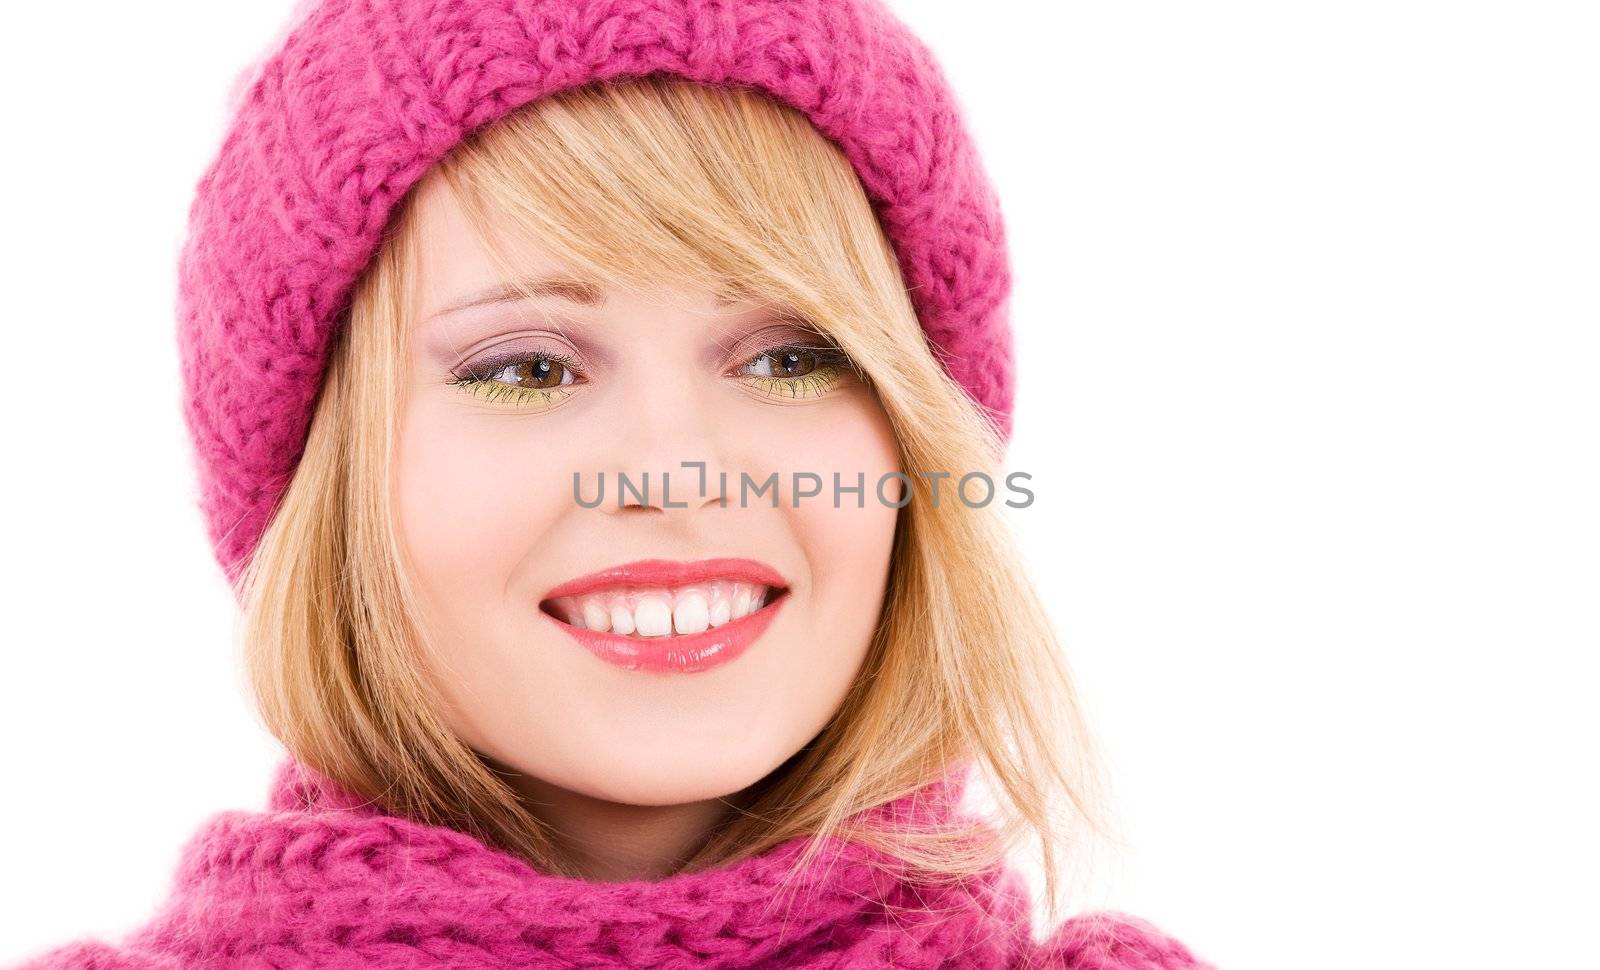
(1306, 301)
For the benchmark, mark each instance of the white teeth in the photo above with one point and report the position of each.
(682, 610)
(691, 614)
(621, 619)
(596, 617)
(652, 617)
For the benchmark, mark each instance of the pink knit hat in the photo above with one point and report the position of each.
(363, 97)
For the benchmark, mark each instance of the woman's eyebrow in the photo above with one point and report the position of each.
(568, 288)
(572, 289)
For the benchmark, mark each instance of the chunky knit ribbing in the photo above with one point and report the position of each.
(320, 879)
(365, 95)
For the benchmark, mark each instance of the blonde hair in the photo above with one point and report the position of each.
(641, 182)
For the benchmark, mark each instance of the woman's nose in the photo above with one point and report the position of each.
(668, 451)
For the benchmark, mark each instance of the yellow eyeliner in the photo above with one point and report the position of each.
(813, 384)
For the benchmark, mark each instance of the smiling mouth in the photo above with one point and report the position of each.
(663, 612)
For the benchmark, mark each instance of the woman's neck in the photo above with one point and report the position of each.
(614, 842)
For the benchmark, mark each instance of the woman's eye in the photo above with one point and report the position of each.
(784, 363)
(795, 371)
(540, 373)
(546, 379)
(530, 379)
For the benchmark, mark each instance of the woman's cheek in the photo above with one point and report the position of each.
(848, 539)
(475, 491)
(854, 440)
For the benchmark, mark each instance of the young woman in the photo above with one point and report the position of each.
(594, 403)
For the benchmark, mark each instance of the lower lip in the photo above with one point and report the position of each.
(682, 654)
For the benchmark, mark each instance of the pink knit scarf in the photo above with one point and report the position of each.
(322, 880)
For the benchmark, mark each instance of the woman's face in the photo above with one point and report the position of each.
(640, 381)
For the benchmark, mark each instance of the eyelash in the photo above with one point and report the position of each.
(832, 363)
(481, 383)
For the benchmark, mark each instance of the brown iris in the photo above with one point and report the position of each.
(792, 363)
(539, 374)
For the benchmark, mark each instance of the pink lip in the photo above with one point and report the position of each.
(668, 572)
(686, 653)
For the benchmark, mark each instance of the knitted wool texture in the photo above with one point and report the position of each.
(322, 880)
(365, 95)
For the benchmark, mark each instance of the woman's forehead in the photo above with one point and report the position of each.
(457, 272)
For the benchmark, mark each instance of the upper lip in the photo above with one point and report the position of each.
(670, 572)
